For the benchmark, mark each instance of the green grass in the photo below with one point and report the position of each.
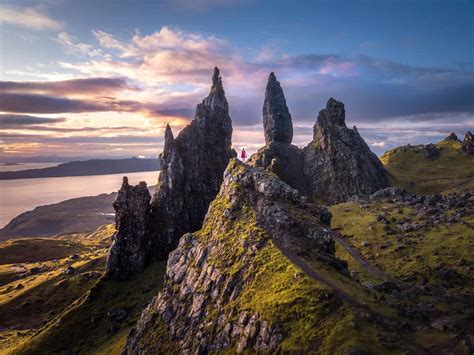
(416, 256)
(34, 288)
(84, 327)
(452, 171)
(37, 249)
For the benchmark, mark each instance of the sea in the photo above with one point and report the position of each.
(21, 195)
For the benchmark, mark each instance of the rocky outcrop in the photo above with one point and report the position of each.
(452, 137)
(216, 270)
(430, 150)
(336, 165)
(277, 123)
(279, 155)
(468, 143)
(338, 162)
(192, 167)
(128, 253)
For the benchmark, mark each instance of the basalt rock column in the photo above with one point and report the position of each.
(193, 164)
(338, 162)
(128, 253)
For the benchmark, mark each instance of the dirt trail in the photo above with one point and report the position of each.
(362, 262)
(387, 323)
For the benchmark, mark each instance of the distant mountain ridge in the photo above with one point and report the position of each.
(86, 168)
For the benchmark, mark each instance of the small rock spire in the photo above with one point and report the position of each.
(468, 143)
(452, 137)
(215, 77)
(277, 123)
(216, 98)
(168, 139)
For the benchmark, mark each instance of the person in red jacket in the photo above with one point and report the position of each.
(243, 155)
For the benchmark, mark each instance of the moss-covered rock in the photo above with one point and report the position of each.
(233, 285)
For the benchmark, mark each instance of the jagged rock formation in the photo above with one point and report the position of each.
(192, 171)
(468, 143)
(277, 123)
(279, 155)
(127, 255)
(215, 275)
(338, 162)
(336, 165)
(192, 168)
(452, 137)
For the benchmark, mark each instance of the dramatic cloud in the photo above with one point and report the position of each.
(27, 17)
(10, 121)
(102, 86)
(149, 80)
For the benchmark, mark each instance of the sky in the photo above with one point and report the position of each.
(102, 78)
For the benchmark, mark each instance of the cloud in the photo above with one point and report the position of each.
(76, 86)
(27, 17)
(161, 76)
(10, 121)
(74, 47)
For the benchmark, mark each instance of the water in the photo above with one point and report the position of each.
(18, 196)
(26, 166)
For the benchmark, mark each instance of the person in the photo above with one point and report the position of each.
(243, 155)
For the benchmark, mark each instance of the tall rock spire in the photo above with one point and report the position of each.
(277, 123)
(192, 167)
(278, 155)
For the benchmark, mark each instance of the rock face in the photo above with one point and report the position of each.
(468, 143)
(216, 270)
(192, 164)
(338, 162)
(277, 123)
(128, 253)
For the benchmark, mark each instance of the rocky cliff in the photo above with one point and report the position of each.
(231, 285)
(192, 170)
(338, 162)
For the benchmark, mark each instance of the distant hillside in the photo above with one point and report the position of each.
(84, 168)
(431, 168)
(83, 214)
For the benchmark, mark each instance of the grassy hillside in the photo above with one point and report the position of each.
(40, 277)
(100, 320)
(431, 264)
(452, 170)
